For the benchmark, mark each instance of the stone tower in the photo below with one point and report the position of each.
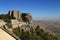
(15, 14)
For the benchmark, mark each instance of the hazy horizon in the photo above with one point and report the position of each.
(39, 9)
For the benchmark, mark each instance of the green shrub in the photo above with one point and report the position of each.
(38, 34)
(16, 31)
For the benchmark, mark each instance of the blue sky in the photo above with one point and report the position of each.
(39, 9)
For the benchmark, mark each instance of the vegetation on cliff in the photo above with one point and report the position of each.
(34, 34)
(7, 19)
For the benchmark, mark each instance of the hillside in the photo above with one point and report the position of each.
(34, 34)
(25, 29)
(50, 26)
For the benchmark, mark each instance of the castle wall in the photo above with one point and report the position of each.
(15, 14)
(14, 23)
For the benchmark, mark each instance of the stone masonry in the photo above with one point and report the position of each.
(15, 14)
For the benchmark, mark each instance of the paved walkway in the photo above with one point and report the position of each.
(5, 36)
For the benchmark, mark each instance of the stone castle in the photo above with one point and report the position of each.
(15, 14)
(18, 15)
(19, 22)
(20, 18)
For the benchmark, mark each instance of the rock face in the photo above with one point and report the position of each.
(29, 17)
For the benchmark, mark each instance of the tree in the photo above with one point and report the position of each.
(16, 31)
